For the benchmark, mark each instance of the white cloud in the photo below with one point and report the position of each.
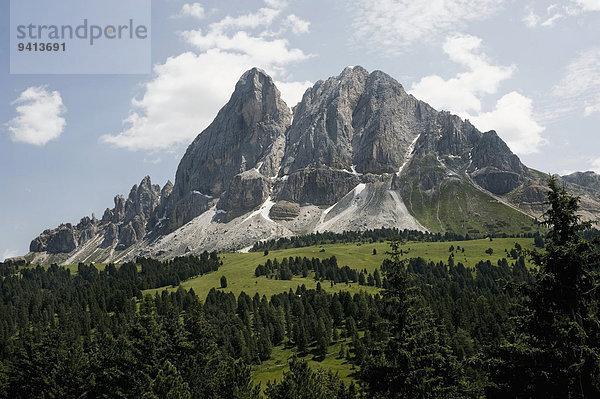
(40, 116)
(194, 10)
(579, 90)
(596, 165)
(551, 20)
(392, 25)
(261, 50)
(555, 12)
(292, 92)
(513, 120)
(461, 94)
(9, 253)
(589, 5)
(263, 17)
(531, 19)
(188, 89)
(512, 116)
(297, 25)
(591, 109)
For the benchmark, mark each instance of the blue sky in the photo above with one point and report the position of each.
(69, 143)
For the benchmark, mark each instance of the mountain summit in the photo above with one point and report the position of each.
(359, 153)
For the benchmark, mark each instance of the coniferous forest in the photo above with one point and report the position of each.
(433, 331)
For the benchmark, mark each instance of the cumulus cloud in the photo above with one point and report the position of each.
(461, 94)
(188, 89)
(596, 165)
(512, 116)
(392, 25)
(39, 117)
(513, 119)
(9, 253)
(194, 10)
(292, 92)
(589, 5)
(297, 25)
(579, 89)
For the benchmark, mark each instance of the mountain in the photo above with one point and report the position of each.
(357, 153)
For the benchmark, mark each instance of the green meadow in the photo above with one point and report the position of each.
(239, 268)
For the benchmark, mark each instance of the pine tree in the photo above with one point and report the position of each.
(416, 361)
(557, 350)
(169, 384)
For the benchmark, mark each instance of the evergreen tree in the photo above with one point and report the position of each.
(168, 384)
(300, 382)
(557, 350)
(416, 361)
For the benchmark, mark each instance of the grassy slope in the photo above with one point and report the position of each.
(460, 208)
(448, 204)
(273, 369)
(238, 268)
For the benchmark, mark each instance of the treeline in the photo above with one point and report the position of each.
(325, 269)
(436, 330)
(88, 335)
(38, 297)
(376, 235)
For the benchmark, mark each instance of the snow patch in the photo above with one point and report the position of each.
(263, 211)
(246, 250)
(409, 154)
(354, 172)
(195, 192)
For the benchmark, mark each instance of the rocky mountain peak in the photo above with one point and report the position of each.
(361, 153)
(247, 133)
(356, 118)
(120, 226)
(166, 190)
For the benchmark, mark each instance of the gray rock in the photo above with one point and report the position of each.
(316, 186)
(356, 118)
(494, 166)
(247, 191)
(359, 145)
(588, 179)
(284, 210)
(55, 241)
(123, 225)
(248, 132)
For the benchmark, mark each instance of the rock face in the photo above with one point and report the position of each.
(284, 210)
(316, 186)
(247, 191)
(59, 240)
(357, 118)
(248, 132)
(119, 228)
(588, 180)
(494, 166)
(360, 153)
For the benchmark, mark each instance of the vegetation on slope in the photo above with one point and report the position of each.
(437, 329)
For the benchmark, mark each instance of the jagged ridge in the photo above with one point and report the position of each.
(360, 153)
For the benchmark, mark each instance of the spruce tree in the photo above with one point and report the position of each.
(557, 350)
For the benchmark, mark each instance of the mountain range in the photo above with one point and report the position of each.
(356, 153)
